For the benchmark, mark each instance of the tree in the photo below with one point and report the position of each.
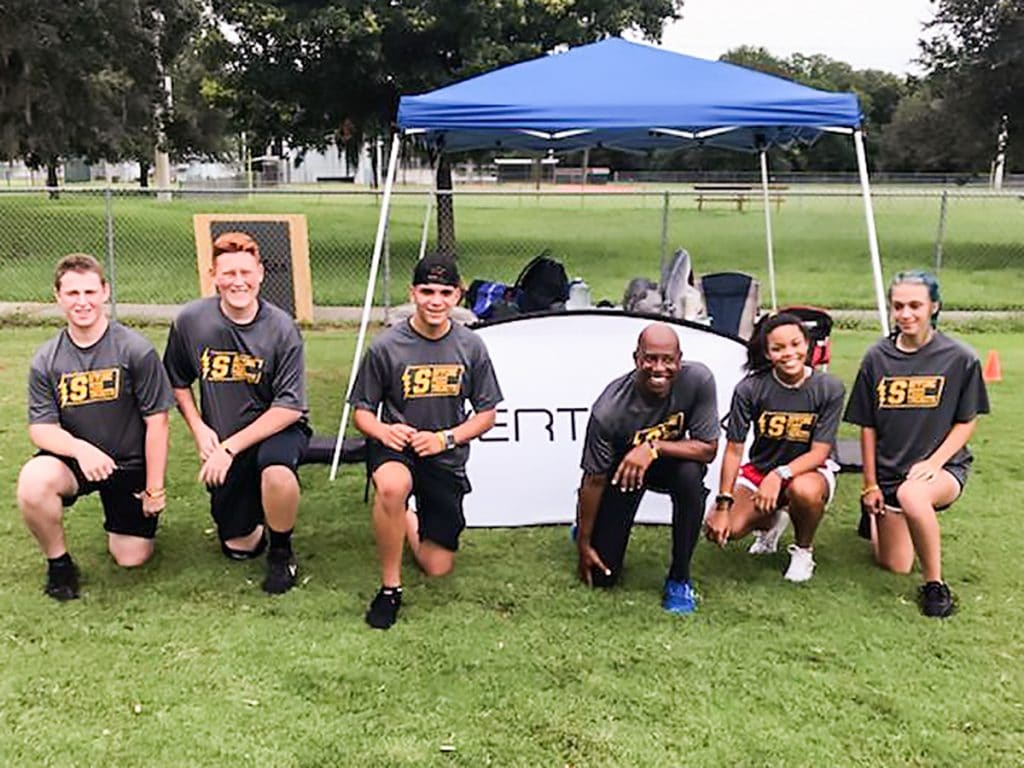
(878, 92)
(975, 74)
(85, 79)
(313, 73)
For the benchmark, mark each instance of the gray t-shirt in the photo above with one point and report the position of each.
(913, 399)
(623, 417)
(100, 393)
(785, 420)
(426, 382)
(243, 370)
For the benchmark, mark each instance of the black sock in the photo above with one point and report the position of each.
(281, 540)
(64, 561)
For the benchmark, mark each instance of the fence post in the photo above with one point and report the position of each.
(664, 232)
(941, 234)
(111, 276)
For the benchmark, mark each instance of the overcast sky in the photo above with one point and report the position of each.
(867, 34)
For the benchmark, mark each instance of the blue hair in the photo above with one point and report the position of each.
(920, 277)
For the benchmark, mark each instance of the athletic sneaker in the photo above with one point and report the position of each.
(383, 611)
(767, 542)
(936, 600)
(801, 564)
(574, 531)
(679, 597)
(62, 582)
(281, 572)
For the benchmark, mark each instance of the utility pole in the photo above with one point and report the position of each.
(1001, 141)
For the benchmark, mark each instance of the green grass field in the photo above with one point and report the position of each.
(509, 661)
(820, 242)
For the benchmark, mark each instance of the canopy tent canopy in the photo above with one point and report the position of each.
(627, 96)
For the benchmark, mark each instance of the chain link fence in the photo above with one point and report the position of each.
(606, 235)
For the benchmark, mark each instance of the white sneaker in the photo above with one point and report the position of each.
(801, 564)
(767, 542)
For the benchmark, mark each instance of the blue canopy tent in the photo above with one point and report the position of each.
(627, 96)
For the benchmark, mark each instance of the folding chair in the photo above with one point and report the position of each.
(732, 300)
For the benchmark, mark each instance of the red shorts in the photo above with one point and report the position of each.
(750, 477)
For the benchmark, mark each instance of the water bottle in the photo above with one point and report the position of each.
(579, 294)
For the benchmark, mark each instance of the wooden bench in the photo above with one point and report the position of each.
(738, 194)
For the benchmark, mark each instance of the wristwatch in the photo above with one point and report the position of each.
(449, 440)
(784, 472)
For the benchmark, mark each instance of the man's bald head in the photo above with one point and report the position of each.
(657, 335)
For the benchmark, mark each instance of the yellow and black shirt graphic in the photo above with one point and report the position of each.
(670, 429)
(793, 427)
(910, 391)
(85, 387)
(222, 366)
(432, 380)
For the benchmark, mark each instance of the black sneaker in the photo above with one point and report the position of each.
(383, 611)
(281, 572)
(62, 582)
(936, 600)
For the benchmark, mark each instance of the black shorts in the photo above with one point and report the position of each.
(237, 506)
(958, 471)
(438, 489)
(122, 511)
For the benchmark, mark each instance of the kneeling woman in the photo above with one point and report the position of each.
(916, 398)
(794, 411)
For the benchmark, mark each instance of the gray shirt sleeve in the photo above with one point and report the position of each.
(598, 450)
(973, 395)
(740, 413)
(828, 421)
(861, 408)
(42, 404)
(704, 414)
(368, 390)
(486, 393)
(177, 361)
(289, 384)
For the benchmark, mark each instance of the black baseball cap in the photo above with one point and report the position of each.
(436, 268)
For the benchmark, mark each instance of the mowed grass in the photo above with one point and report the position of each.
(508, 661)
(820, 241)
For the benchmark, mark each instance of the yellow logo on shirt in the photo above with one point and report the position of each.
(432, 380)
(785, 425)
(225, 366)
(84, 387)
(910, 391)
(670, 429)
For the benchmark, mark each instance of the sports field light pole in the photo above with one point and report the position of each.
(768, 228)
(364, 321)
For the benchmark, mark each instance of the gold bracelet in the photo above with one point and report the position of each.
(869, 489)
(653, 448)
(155, 493)
(441, 439)
(227, 450)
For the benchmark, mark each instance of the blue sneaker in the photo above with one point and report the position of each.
(679, 597)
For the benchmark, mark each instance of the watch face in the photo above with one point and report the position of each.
(449, 440)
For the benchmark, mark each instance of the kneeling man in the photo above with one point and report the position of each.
(655, 427)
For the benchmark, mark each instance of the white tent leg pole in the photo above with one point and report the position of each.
(768, 230)
(426, 227)
(378, 247)
(869, 216)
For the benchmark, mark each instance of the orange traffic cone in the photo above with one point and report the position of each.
(993, 370)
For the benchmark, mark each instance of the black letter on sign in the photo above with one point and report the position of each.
(488, 437)
(545, 411)
(572, 418)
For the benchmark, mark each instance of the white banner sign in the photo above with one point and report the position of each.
(551, 369)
